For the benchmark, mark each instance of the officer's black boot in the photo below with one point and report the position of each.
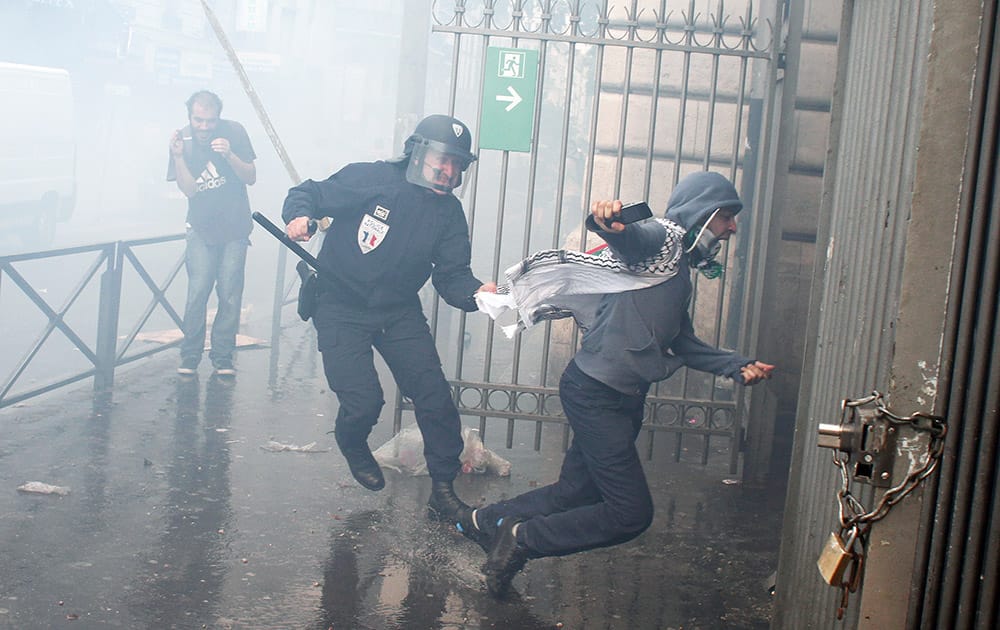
(444, 504)
(360, 460)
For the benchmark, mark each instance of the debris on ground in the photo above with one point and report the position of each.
(404, 453)
(278, 447)
(38, 487)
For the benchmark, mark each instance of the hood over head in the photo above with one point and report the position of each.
(698, 195)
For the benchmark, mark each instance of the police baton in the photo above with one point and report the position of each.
(297, 249)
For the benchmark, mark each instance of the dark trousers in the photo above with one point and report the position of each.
(601, 497)
(404, 340)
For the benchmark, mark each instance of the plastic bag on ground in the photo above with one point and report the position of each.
(404, 453)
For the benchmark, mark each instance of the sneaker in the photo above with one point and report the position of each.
(188, 367)
(225, 368)
(506, 558)
(466, 525)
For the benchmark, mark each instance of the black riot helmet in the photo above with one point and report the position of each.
(438, 152)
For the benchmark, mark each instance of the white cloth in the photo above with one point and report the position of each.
(558, 283)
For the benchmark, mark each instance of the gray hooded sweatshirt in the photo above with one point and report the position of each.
(642, 336)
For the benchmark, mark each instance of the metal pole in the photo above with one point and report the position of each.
(251, 92)
(107, 319)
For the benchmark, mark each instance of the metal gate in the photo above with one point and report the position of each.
(630, 98)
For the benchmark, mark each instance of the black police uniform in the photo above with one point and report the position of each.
(387, 237)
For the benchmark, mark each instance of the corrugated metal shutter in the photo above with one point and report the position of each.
(876, 112)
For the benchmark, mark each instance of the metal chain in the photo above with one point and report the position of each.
(852, 515)
(934, 425)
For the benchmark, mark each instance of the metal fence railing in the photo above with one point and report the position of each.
(91, 326)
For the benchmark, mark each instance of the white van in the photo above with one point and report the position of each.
(37, 151)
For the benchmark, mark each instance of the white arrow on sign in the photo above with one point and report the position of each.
(513, 99)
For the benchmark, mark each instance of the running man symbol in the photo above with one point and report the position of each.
(511, 65)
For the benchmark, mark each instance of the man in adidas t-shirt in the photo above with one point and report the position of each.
(212, 161)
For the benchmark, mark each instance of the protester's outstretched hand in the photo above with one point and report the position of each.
(605, 213)
(756, 372)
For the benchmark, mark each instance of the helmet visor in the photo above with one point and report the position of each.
(437, 165)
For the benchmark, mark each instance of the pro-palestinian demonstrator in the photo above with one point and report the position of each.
(633, 309)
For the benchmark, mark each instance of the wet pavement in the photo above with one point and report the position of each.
(177, 517)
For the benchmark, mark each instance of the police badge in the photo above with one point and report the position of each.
(371, 233)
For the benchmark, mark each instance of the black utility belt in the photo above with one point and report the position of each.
(313, 286)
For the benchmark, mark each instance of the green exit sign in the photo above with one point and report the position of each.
(508, 99)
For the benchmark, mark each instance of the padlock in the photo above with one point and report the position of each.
(834, 560)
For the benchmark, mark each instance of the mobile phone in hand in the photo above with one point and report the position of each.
(633, 212)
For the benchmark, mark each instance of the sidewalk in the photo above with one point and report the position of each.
(178, 518)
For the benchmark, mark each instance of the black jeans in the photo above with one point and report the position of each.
(404, 341)
(601, 497)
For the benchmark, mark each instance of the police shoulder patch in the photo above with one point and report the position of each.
(371, 233)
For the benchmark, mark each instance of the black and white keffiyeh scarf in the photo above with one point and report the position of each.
(559, 283)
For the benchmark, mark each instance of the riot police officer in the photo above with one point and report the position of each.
(394, 224)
